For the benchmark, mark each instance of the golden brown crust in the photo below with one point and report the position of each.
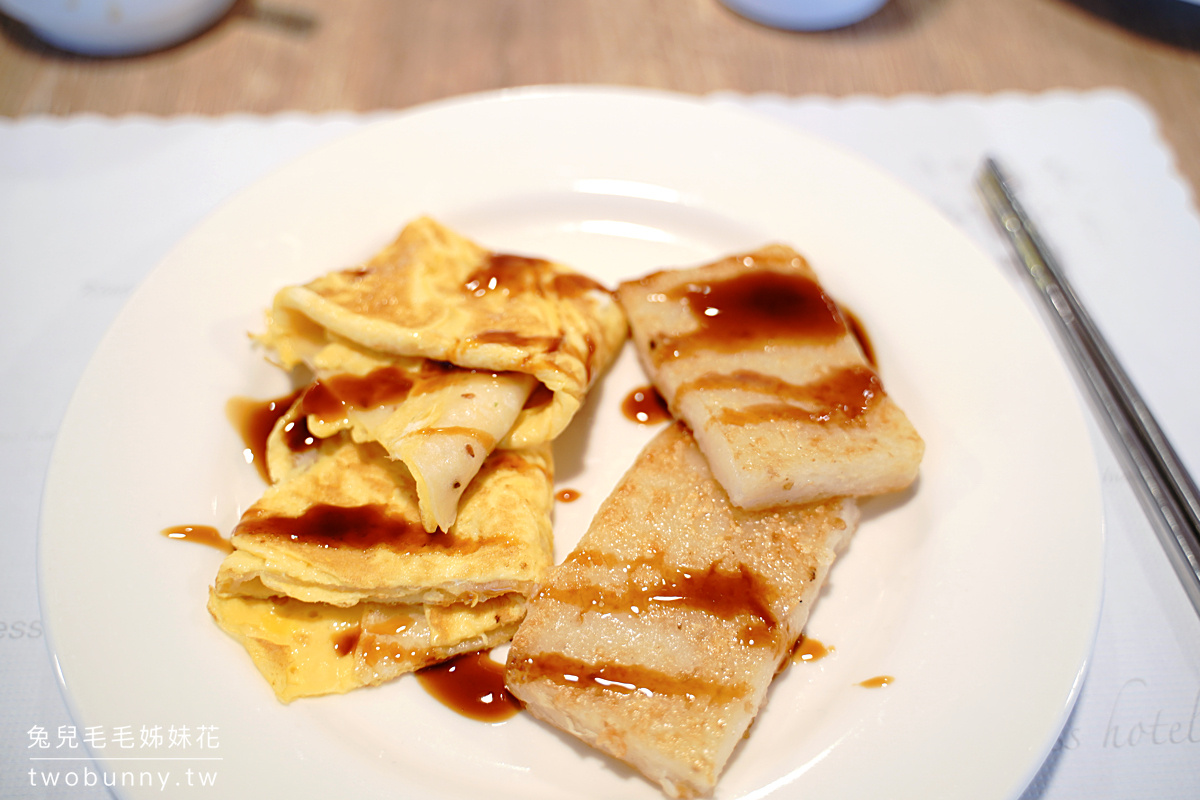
(656, 639)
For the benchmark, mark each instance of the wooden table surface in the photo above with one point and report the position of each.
(361, 55)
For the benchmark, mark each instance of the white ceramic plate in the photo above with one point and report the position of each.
(978, 591)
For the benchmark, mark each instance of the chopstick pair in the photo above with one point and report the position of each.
(1165, 489)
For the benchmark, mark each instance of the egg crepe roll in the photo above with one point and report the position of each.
(440, 421)
(346, 529)
(656, 640)
(309, 649)
(759, 361)
(529, 335)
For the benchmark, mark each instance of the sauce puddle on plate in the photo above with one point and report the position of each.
(878, 682)
(646, 406)
(200, 534)
(473, 685)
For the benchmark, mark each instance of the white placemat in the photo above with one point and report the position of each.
(88, 206)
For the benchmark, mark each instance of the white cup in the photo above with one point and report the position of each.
(115, 27)
(806, 15)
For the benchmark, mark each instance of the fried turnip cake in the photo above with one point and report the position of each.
(656, 639)
(759, 361)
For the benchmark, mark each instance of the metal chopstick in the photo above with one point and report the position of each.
(1166, 490)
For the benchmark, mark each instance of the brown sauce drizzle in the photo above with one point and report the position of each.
(320, 401)
(472, 685)
(254, 420)
(751, 309)
(541, 396)
(567, 495)
(434, 376)
(432, 369)
(590, 361)
(298, 437)
(573, 284)
(358, 527)
(841, 397)
(727, 595)
(646, 406)
(808, 650)
(509, 274)
(859, 332)
(329, 399)
(483, 438)
(345, 641)
(877, 682)
(513, 274)
(200, 534)
(623, 679)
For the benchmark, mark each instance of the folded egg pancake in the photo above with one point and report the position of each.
(346, 529)
(440, 421)
(657, 638)
(309, 649)
(759, 361)
(515, 342)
